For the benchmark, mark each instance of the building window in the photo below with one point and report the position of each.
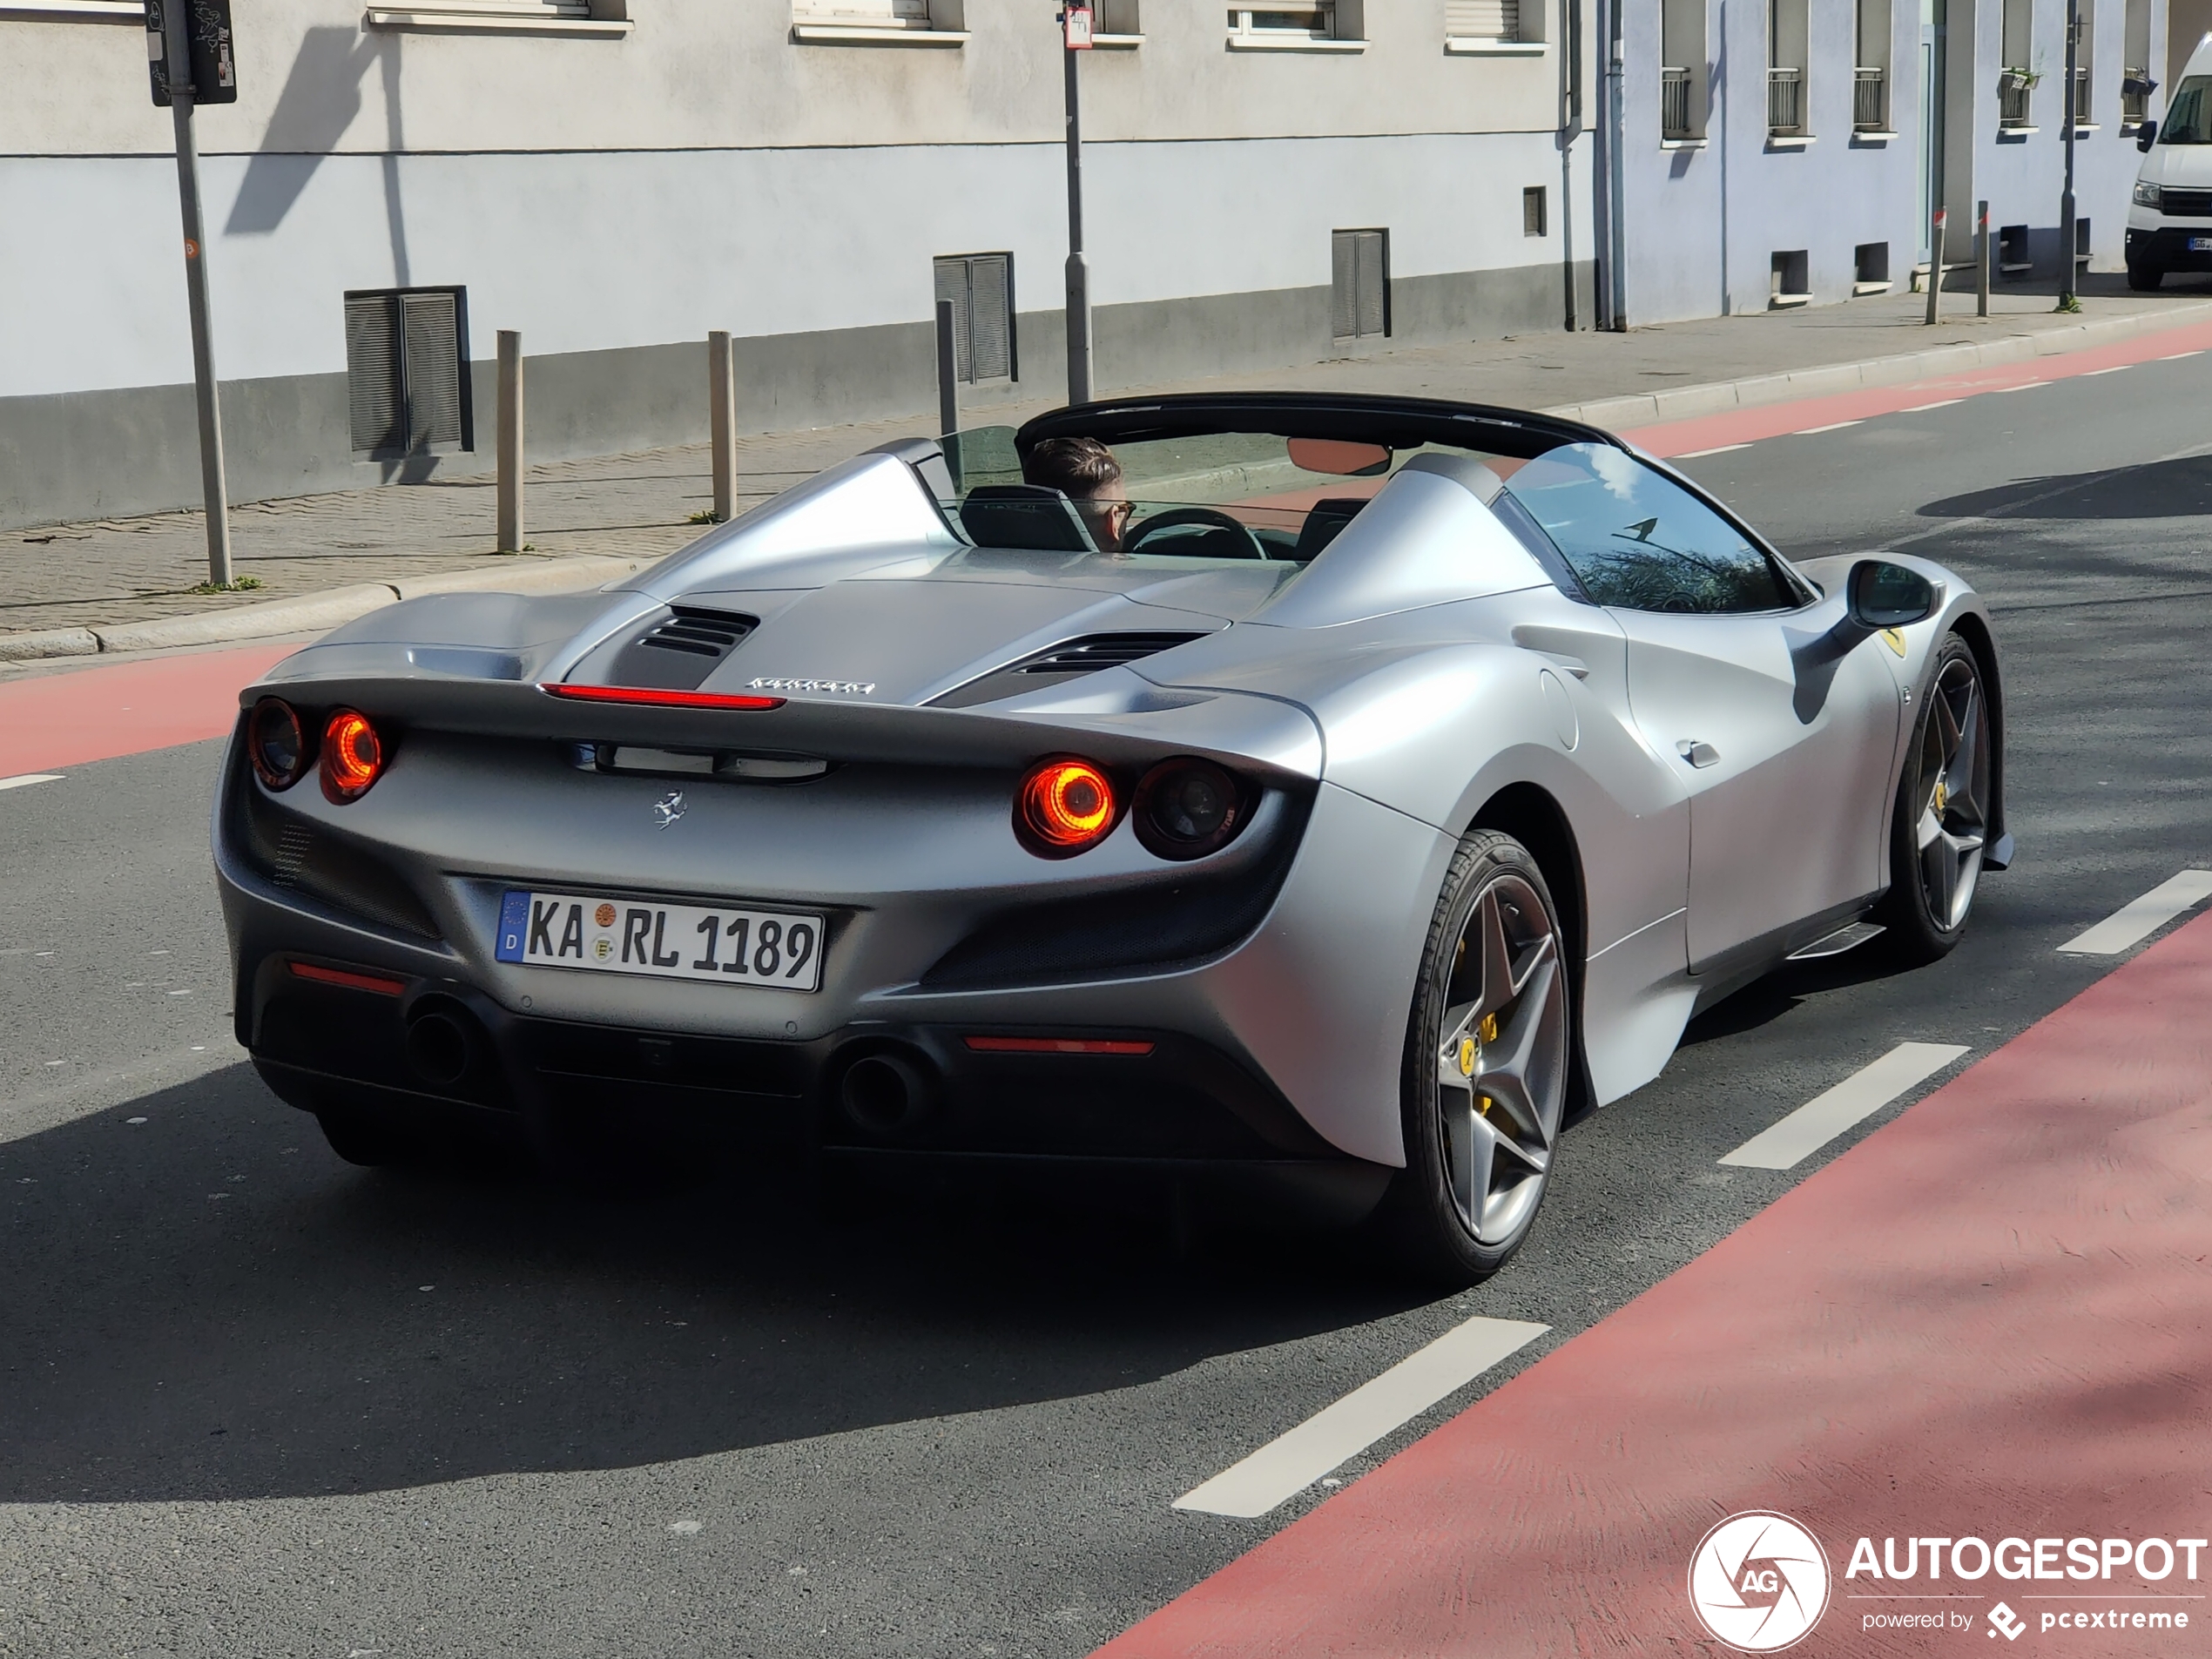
(2083, 62)
(1470, 26)
(2135, 81)
(1534, 220)
(1359, 285)
(1682, 74)
(1870, 110)
(605, 18)
(1785, 75)
(2012, 259)
(980, 286)
(1870, 268)
(1298, 25)
(1790, 283)
(2016, 78)
(919, 22)
(407, 371)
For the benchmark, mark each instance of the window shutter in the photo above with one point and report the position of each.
(903, 14)
(373, 372)
(990, 339)
(1482, 19)
(433, 343)
(1372, 313)
(952, 284)
(1344, 311)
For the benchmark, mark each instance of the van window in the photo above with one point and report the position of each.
(2189, 113)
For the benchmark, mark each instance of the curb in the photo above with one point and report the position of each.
(1688, 403)
(314, 612)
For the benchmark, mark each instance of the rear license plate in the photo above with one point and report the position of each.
(778, 949)
(2200, 244)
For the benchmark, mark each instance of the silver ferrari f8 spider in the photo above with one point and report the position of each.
(1329, 796)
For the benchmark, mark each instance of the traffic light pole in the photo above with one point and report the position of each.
(177, 31)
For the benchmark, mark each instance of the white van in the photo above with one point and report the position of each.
(2169, 222)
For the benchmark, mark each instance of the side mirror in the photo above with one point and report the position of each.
(2146, 136)
(1879, 595)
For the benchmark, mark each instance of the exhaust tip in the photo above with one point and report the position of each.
(885, 1093)
(440, 1047)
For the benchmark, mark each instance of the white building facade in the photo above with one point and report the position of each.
(615, 180)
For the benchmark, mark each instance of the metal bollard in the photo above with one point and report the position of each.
(722, 422)
(1935, 264)
(1981, 277)
(511, 440)
(947, 374)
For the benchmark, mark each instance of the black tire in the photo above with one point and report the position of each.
(1941, 818)
(1511, 1013)
(359, 1137)
(2144, 279)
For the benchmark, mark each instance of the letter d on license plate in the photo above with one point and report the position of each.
(778, 949)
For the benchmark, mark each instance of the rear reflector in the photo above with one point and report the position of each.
(650, 697)
(1055, 1045)
(348, 978)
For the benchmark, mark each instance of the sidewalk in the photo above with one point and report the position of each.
(117, 574)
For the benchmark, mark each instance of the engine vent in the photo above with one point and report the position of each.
(677, 652)
(1065, 661)
(704, 633)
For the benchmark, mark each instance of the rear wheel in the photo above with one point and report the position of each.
(1484, 1079)
(2144, 278)
(1941, 821)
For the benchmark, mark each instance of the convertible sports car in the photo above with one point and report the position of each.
(1332, 795)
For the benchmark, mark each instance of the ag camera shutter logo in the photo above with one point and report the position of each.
(1758, 1581)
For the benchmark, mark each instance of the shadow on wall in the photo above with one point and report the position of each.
(321, 99)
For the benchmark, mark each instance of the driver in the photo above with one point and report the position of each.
(1085, 471)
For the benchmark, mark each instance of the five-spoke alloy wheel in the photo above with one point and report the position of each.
(1486, 1068)
(1941, 825)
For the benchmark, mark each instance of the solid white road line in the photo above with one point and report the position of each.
(1821, 1119)
(1807, 432)
(21, 780)
(1290, 1463)
(1921, 409)
(2138, 919)
(1692, 455)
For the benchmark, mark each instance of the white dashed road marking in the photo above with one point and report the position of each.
(2138, 919)
(1834, 426)
(1821, 1119)
(23, 779)
(1692, 455)
(1922, 409)
(1288, 1464)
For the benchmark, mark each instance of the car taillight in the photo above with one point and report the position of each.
(1187, 808)
(353, 755)
(1065, 806)
(277, 744)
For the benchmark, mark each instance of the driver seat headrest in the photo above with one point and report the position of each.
(1030, 517)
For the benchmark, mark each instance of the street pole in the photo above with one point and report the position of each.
(1982, 259)
(1936, 222)
(2068, 226)
(214, 492)
(1078, 269)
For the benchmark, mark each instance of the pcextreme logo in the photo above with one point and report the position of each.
(1758, 1581)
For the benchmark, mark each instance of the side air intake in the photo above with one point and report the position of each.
(1069, 659)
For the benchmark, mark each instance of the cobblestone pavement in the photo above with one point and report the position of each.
(111, 571)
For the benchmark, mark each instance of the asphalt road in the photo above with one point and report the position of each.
(258, 1401)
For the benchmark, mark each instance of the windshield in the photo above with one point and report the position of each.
(2187, 119)
(1212, 495)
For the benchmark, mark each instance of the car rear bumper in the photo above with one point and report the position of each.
(361, 1038)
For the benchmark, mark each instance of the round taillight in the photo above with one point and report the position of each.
(277, 742)
(353, 755)
(1065, 806)
(1187, 808)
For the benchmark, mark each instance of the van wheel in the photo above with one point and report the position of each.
(2143, 279)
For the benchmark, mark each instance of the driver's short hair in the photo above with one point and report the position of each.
(1078, 468)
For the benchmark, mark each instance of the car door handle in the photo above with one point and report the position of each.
(1700, 755)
